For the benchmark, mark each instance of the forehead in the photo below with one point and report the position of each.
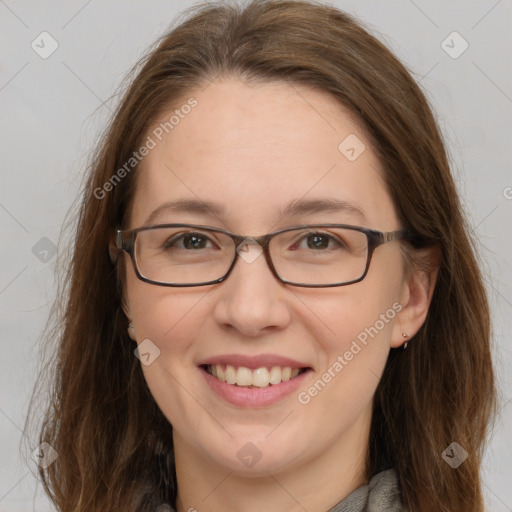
(255, 149)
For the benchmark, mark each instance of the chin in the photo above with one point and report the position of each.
(255, 454)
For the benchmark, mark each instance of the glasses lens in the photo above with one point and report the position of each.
(320, 255)
(183, 255)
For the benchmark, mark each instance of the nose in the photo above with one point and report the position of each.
(252, 300)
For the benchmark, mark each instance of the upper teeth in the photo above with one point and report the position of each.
(260, 377)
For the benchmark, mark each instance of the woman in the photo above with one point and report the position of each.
(341, 363)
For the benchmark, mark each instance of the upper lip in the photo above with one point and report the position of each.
(253, 362)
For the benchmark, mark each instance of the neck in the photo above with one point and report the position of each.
(318, 483)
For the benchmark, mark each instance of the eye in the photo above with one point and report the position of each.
(319, 241)
(191, 240)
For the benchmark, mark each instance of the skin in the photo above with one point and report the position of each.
(254, 148)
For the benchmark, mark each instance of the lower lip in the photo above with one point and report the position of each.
(254, 397)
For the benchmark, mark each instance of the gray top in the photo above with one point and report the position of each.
(380, 494)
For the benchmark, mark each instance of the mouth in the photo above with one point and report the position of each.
(243, 377)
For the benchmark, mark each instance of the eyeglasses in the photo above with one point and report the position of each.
(311, 256)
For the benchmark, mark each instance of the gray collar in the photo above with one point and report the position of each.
(380, 494)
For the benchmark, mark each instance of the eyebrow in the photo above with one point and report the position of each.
(296, 208)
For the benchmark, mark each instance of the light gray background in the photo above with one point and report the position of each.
(52, 109)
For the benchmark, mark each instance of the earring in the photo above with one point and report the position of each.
(405, 335)
(130, 326)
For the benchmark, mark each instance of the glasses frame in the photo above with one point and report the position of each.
(124, 240)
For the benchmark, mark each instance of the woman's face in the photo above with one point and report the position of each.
(254, 150)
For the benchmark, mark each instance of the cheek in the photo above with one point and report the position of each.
(171, 320)
(354, 338)
(360, 312)
(156, 311)
(354, 326)
(162, 315)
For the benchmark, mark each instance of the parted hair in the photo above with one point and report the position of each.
(114, 444)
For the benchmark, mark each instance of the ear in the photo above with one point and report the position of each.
(417, 292)
(126, 309)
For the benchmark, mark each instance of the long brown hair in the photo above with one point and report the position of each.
(114, 444)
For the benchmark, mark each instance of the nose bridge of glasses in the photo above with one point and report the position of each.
(249, 248)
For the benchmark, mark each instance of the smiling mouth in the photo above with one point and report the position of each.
(257, 378)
